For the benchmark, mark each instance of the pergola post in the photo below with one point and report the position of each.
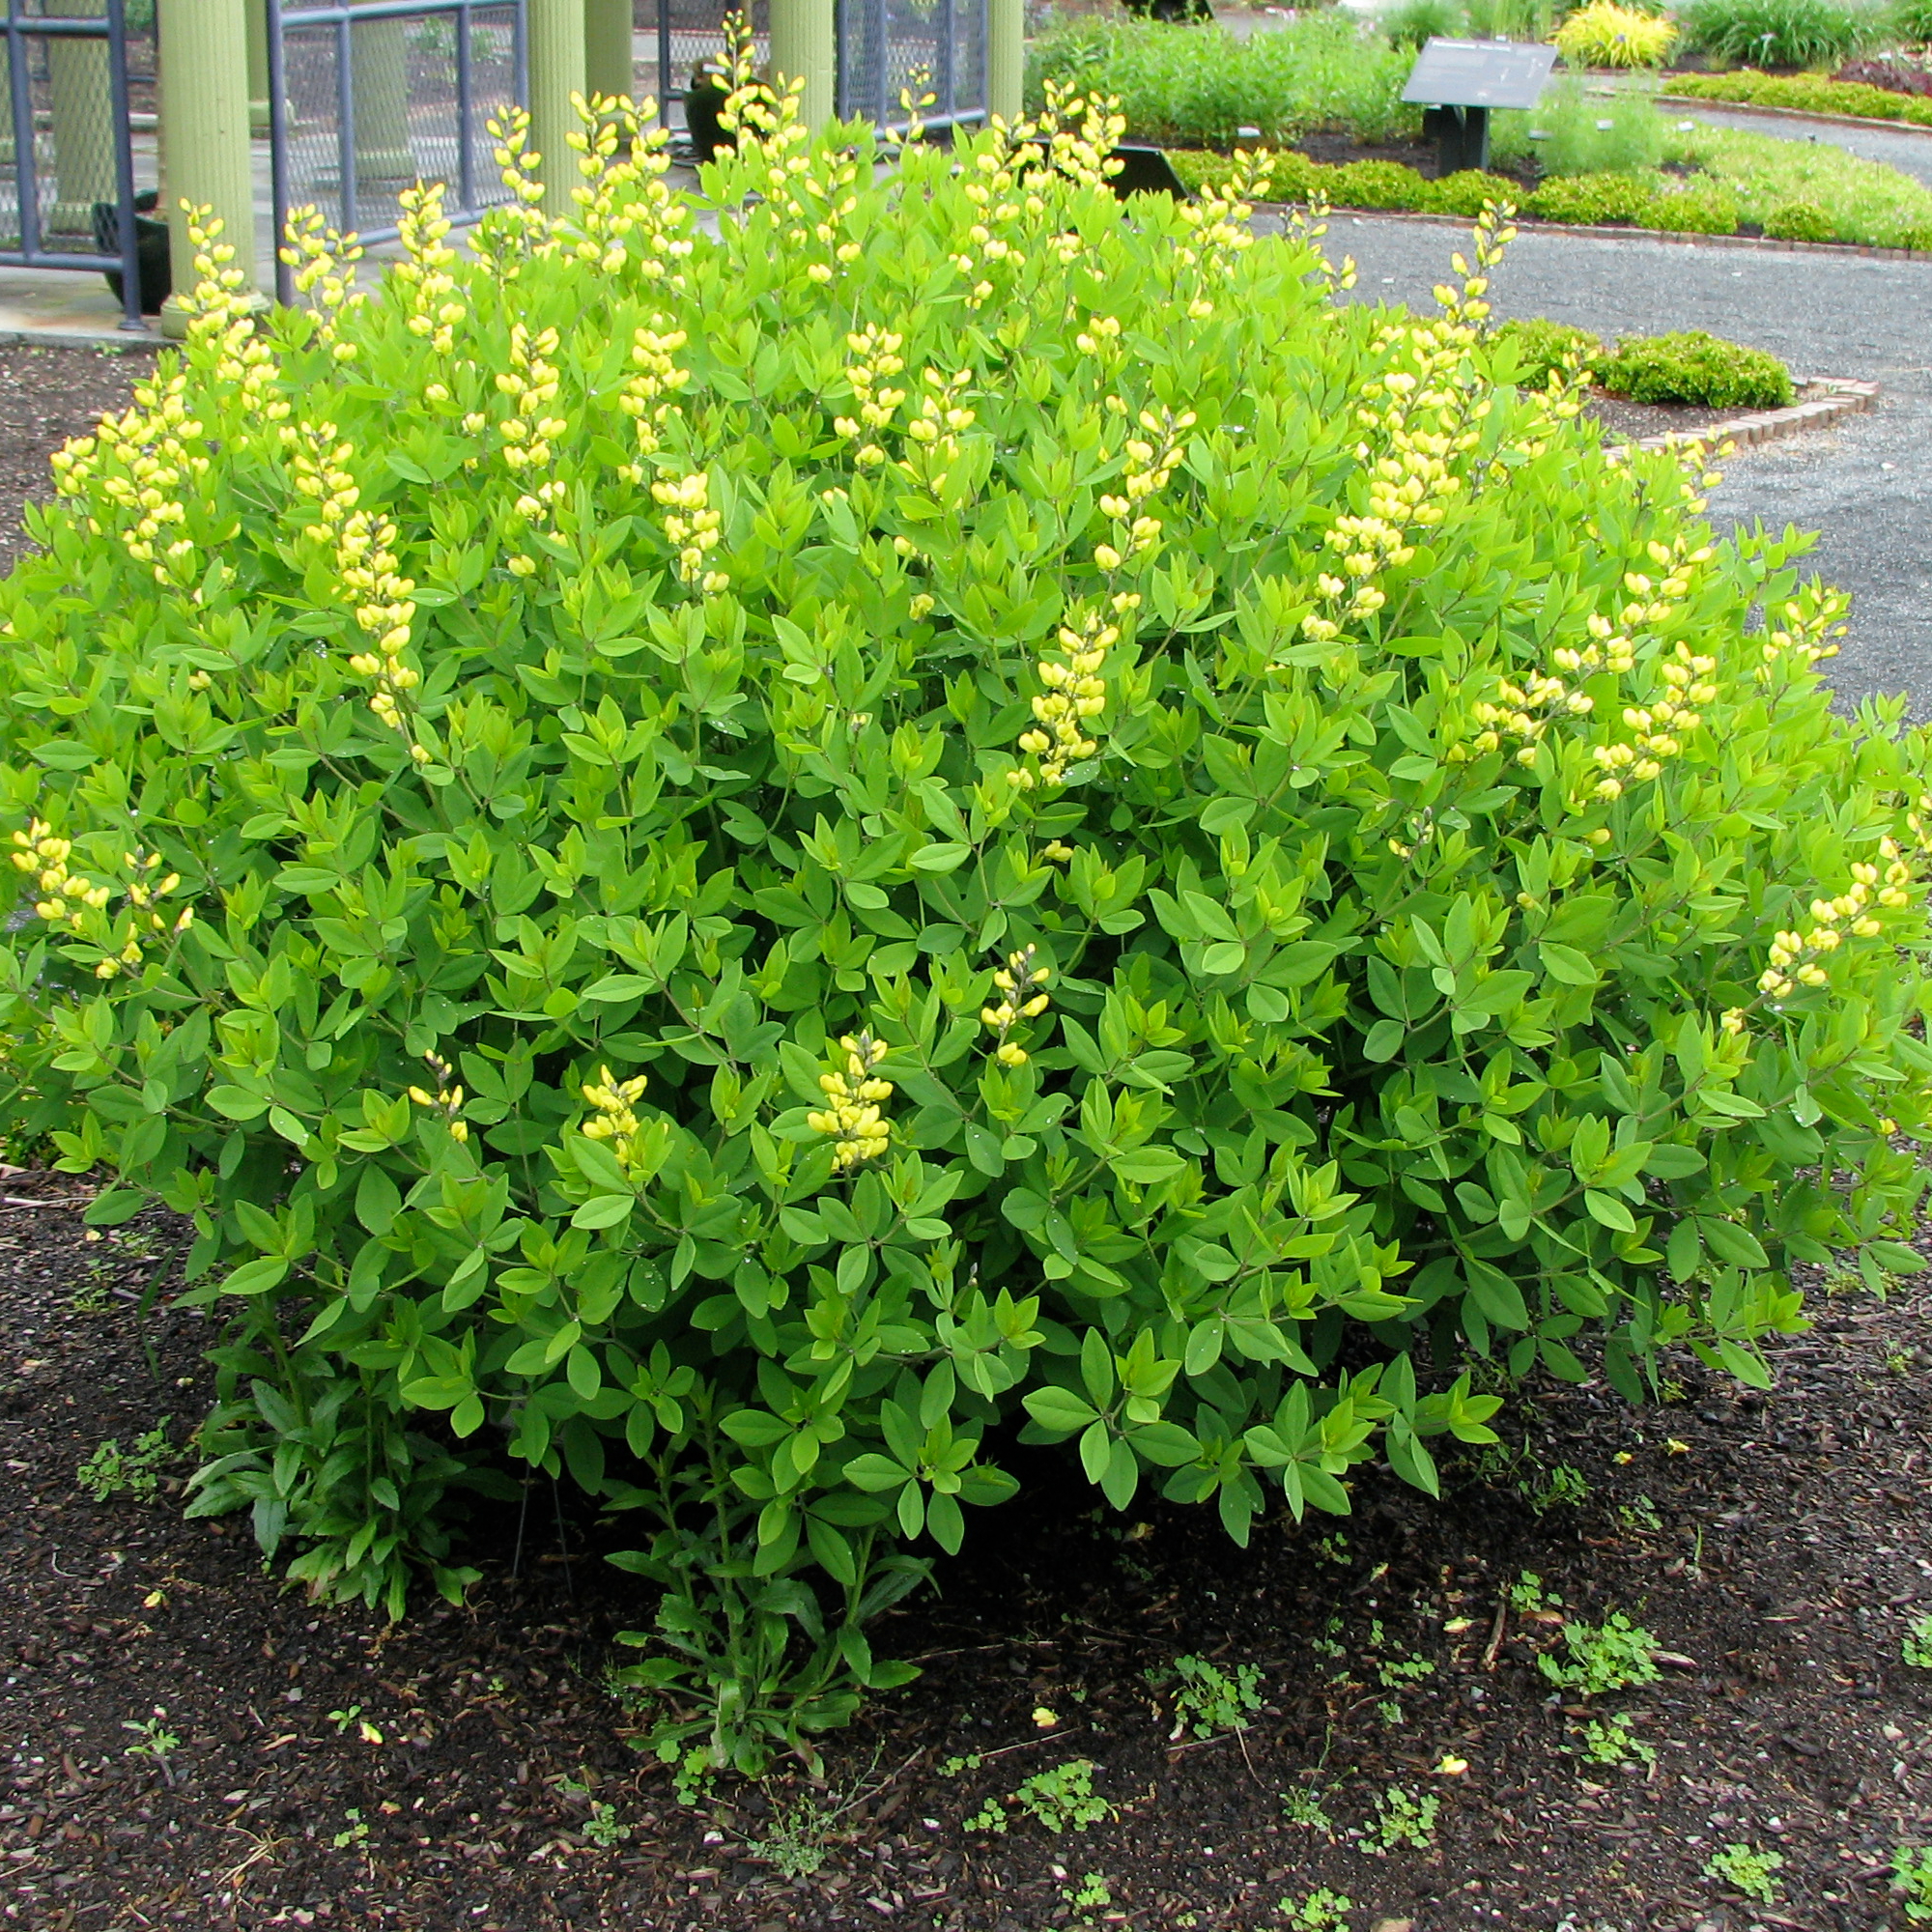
(1005, 59)
(805, 46)
(608, 61)
(555, 33)
(203, 114)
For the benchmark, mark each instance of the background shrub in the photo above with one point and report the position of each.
(1196, 86)
(1589, 199)
(1694, 207)
(1607, 33)
(1809, 93)
(735, 863)
(1780, 33)
(1910, 21)
(1544, 349)
(1587, 131)
(1798, 221)
(1466, 192)
(1695, 367)
(1415, 22)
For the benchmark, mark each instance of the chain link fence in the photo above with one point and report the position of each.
(367, 100)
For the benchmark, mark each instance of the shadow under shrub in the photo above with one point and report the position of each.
(732, 864)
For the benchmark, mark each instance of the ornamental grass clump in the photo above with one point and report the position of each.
(739, 864)
(1607, 33)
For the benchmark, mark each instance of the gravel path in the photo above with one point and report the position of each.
(1866, 485)
(1907, 150)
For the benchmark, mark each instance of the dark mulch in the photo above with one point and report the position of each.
(1777, 1546)
(48, 395)
(1637, 420)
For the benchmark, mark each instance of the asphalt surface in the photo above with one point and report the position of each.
(1864, 485)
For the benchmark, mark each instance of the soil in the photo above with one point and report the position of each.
(1637, 420)
(193, 1745)
(48, 395)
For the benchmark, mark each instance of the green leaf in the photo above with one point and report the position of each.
(1058, 1409)
(940, 858)
(1609, 1210)
(257, 1277)
(1568, 965)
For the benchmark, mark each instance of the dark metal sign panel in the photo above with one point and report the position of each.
(1480, 73)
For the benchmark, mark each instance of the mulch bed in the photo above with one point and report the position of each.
(1777, 1545)
(47, 395)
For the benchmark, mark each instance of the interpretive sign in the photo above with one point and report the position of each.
(1459, 82)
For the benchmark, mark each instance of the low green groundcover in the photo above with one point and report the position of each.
(739, 862)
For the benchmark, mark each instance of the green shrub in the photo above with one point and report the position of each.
(1805, 93)
(1589, 199)
(1694, 367)
(1607, 33)
(1201, 85)
(1780, 33)
(1415, 22)
(1908, 20)
(1383, 184)
(1591, 134)
(1545, 348)
(1798, 221)
(1467, 192)
(733, 863)
(1695, 206)
(1866, 201)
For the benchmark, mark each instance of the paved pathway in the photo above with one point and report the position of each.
(1867, 485)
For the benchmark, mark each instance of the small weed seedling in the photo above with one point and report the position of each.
(1912, 1875)
(109, 1472)
(1748, 1870)
(1322, 1910)
(1304, 1809)
(1210, 1701)
(1527, 1595)
(1615, 1656)
(1563, 1488)
(1640, 1517)
(1058, 1799)
(1401, 1818)
(155, 1740)
(1612, 1740)
(1917, 1649)
(355, 1834)
(956, 1767)
(798, 1841)
(1091, 1894)
(602, 1827)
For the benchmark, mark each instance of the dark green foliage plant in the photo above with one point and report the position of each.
(1543, 350)
(1910, 21)
(732, 863)
(1415, 22)
(1587, 200)
(1781, 33)
(1697, 206)
(1806, 94)
(1696, 367)
(1798, 221)
(1202, 86)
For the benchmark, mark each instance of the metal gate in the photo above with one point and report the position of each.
(367, 100)
(886, 48)
(67, 144)
(890, 48)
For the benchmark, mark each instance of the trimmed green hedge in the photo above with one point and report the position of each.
(1660, 202)
(1689, 367)
(1803, 94)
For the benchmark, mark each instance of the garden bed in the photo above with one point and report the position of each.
(1773, 1545)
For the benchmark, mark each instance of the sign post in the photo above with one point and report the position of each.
(1458, 81)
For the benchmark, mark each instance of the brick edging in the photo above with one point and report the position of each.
(1794, 114)
(1531, 225)
(1842, 398)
